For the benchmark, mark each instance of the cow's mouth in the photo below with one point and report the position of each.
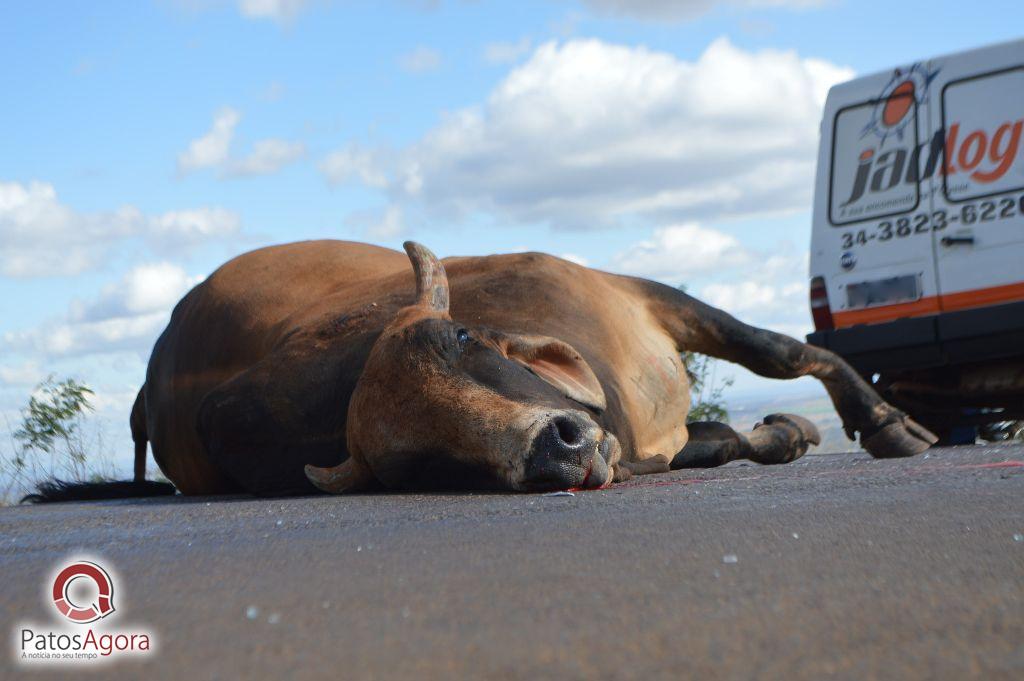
(570, 451)
(599, 470)
(586, 477)
(566, 475)
(601, 461)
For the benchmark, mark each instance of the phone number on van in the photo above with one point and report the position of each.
(923, 223)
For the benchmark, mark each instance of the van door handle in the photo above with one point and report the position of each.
(948, 241)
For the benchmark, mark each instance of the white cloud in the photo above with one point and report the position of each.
(665, 10)
(213, 150)
(764, 289)
(83, 338)
(572, 257)
(378, 224)
(680, 252)
(25, 374)
(128, 315)
(279, 11)
(276, 10)
(43, 237)
(354, 162)
(210, 150)
(684, 10)
(588, 134)
(779, 305)
(194, 225)
(390, 225)
(154, 287)
(741, 296)
(267, 157)
(420, 60)
(506, 52)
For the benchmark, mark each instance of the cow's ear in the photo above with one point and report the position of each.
(559, 364)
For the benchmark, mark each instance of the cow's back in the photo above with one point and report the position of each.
(231, 321)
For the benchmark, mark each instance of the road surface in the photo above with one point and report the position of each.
(834, 566)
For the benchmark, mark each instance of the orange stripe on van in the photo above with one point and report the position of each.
(962, 300)
(983, 296)
(885, 313)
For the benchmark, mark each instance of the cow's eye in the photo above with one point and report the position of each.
(462, 336)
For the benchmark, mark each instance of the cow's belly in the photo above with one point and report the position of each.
(657, 391)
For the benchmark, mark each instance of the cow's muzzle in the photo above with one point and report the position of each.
(569, 451)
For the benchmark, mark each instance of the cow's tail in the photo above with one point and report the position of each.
(58, 490)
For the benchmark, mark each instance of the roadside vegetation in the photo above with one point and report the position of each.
(54, 440)
(706, 388)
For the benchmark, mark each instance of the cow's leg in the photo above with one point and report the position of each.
(884, 430)
(137, 424)
(780, 438)
(655, 464)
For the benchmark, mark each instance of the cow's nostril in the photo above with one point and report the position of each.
(566, 452)
(569, 431)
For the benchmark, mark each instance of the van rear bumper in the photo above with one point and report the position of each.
(942, 339)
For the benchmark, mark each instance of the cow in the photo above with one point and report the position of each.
(335, 366)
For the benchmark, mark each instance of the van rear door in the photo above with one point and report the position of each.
(980, 253)
(878, 210)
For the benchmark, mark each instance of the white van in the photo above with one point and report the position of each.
(917, 246)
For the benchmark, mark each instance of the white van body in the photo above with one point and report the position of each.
(918, 233)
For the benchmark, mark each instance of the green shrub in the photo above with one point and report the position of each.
(54, 440)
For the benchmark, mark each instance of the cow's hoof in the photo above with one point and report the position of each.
(808, 431)
(792, 436)
(905, 437)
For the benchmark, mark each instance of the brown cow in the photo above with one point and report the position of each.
(335, 364)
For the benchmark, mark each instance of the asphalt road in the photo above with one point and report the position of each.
(834, 566)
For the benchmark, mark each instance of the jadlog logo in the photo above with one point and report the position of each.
(82, 593)
(982, 155)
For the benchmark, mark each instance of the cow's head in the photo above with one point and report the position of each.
(444, 404)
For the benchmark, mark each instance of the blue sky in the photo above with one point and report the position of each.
(144, 143)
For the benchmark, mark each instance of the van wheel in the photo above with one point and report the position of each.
(1002, 431)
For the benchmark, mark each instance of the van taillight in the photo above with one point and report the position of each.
(820, 310)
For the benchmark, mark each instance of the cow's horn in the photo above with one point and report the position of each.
(348, 476)
(431, 280)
